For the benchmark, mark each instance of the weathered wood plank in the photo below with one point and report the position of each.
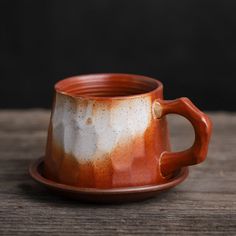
(204, 204)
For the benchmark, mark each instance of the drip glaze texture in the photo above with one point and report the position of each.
(104, 132)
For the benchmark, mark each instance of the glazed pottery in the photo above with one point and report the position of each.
(109, 131)
(96, 195)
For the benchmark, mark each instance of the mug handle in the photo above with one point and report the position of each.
(172, 161)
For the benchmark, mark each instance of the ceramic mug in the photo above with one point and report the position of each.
(110, 131)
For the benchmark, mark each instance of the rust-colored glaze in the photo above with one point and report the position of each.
(108, 86)
(131, 164)
(95, 195)
(142, 159)
(202, 125)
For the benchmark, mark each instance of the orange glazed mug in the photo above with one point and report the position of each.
(110, 131)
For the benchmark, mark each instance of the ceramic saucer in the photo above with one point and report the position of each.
(114, 195)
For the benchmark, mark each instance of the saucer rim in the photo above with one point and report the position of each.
(38, 177)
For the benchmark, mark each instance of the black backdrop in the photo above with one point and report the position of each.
(189, 45)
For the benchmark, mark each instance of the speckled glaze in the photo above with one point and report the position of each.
(110, 131)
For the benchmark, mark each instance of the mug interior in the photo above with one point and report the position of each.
(107, 85)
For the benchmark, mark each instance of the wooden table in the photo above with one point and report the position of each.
(204, 204)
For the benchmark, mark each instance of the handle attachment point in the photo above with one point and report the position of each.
(157, 109)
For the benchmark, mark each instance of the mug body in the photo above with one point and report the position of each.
(103, 132)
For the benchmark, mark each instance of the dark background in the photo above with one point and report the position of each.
(189, 45)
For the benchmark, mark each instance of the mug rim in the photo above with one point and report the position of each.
(58, 86)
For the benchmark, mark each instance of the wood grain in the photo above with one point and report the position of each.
(205, 204)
